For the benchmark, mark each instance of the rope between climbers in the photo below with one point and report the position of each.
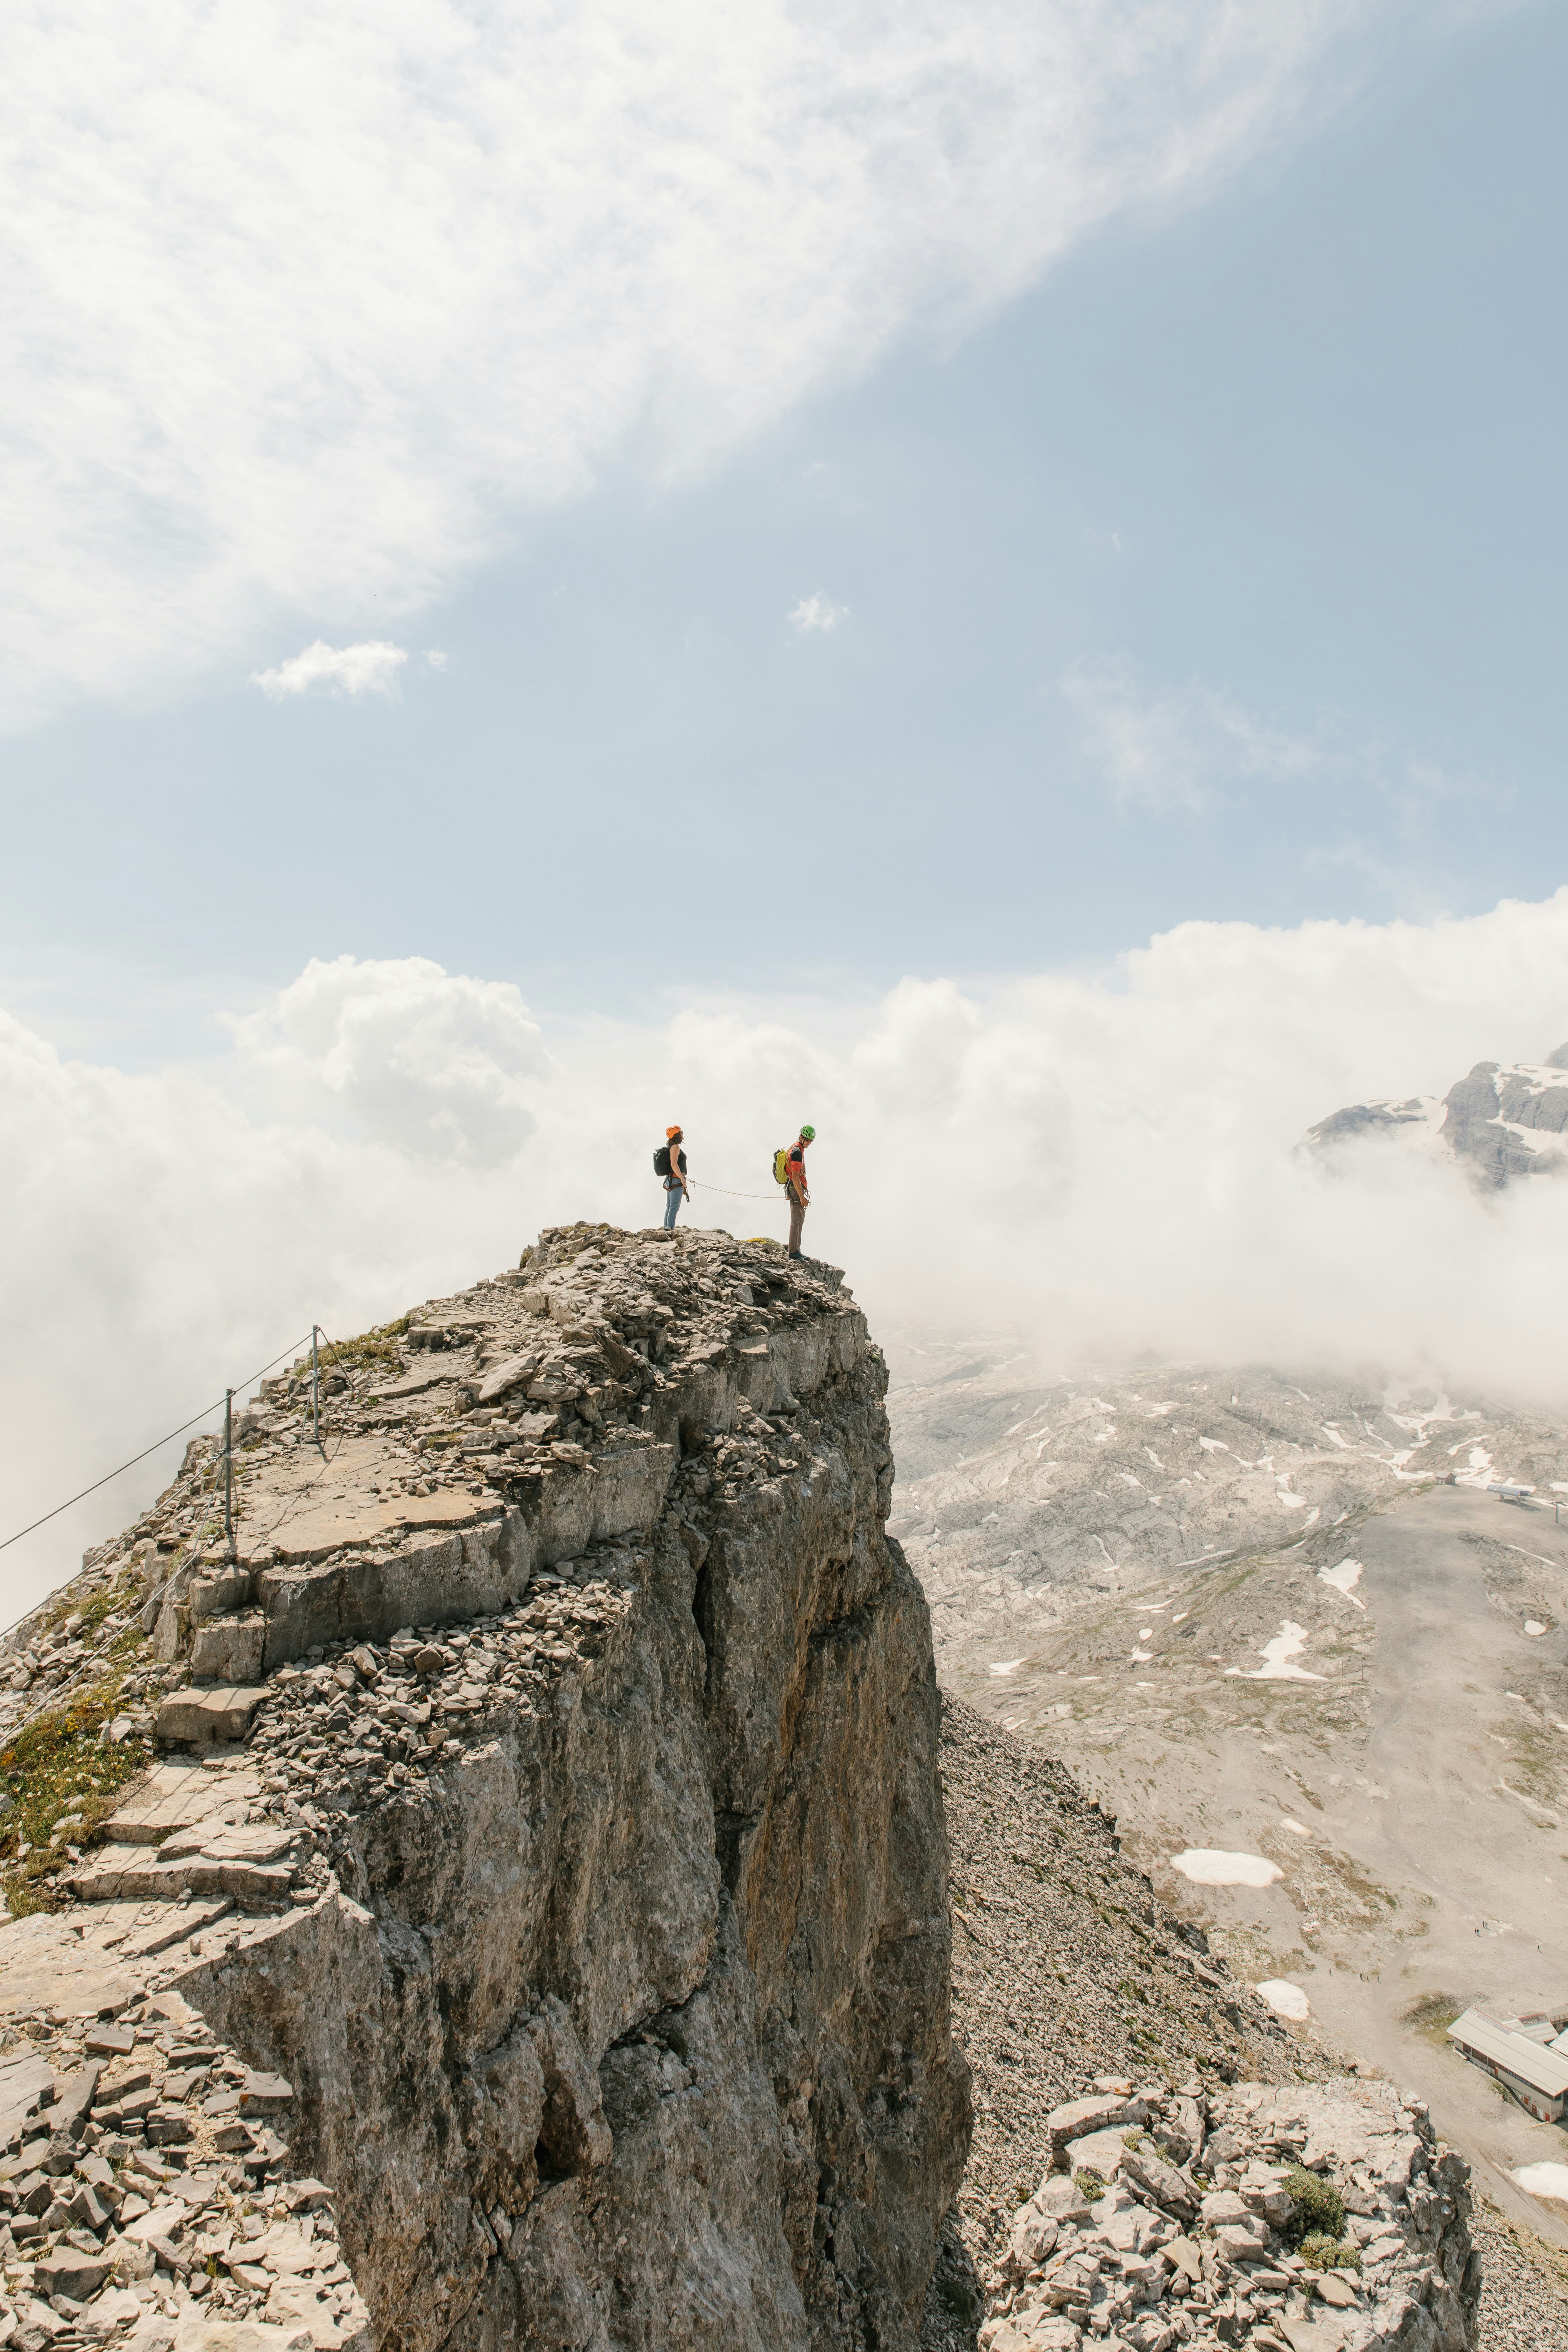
(702, 1185)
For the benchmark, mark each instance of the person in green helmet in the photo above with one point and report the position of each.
(795, 1180)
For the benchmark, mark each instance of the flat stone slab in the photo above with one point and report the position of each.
(351, 1525)
(25, 2085)
(175, 1796)
(1078, 2117)
(138, 1872)
(237, 1842)
(1100, 2151)
(414, 1383)
(223, 1712)
(45, 1967)
(70, 2272)
(295, 1512)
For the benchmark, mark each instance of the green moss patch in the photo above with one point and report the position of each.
(1320, 2210)
(123, 1592)
(373, 1350)
(1431, 2008)
(59, 1766)
(1322, 2253)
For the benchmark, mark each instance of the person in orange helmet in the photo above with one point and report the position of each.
(670, 1163)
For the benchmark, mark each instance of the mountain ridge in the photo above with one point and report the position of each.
(1501, 1120)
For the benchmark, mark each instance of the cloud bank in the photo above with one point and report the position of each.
(1105, 1161)
(306, 306)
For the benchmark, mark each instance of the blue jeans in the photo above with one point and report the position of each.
(674, 1194)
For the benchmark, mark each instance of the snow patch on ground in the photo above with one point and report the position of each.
(1299, 1828)
(1207, 1866)
(1348, 1573)
(1279, 1656)
(1005, 1666)
(1285, 2000)
(1544, 2180)
(1532, 1629)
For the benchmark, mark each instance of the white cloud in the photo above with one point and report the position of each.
(1105, 1161)
(1186, 750)
(818, 613)
(307, 304)
(369, 668)
(432, 1064)
(1178, 751)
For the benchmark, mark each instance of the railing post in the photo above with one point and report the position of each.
(228, 1466)
(315, 1386)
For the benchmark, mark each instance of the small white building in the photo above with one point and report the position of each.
(1537, 2075)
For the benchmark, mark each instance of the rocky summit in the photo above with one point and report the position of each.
(500, 1897)
(497, 1894)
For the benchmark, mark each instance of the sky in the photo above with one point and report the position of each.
(998, 573)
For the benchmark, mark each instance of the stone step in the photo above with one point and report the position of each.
(175, 1797)
(197, 1716)
(129, 1873)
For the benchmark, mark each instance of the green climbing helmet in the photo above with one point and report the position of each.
(808, 1135)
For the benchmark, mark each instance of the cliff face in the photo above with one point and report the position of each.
(593, 1724)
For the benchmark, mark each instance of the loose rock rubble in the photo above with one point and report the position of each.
(148, 2196)
(1066, 1964)
(500, 1808)
(1320, 2217)
(1524, 2288)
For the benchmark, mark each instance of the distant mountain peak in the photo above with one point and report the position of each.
(1505, 1119)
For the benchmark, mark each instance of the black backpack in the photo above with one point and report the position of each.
(662, 1160)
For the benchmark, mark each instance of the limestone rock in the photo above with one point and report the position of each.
(203, 2334)
(1127, 2276)
(70, 2272)
(574, 1857)
(1148, 2172)
(197, 1716)
(1078, 2117)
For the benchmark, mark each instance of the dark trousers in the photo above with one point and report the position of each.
(796, 1219)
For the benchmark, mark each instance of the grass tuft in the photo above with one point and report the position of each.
(377, 1350)
(1430, 2008)
(1320, 2209)
(60, 1765)
(1319, 2251)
